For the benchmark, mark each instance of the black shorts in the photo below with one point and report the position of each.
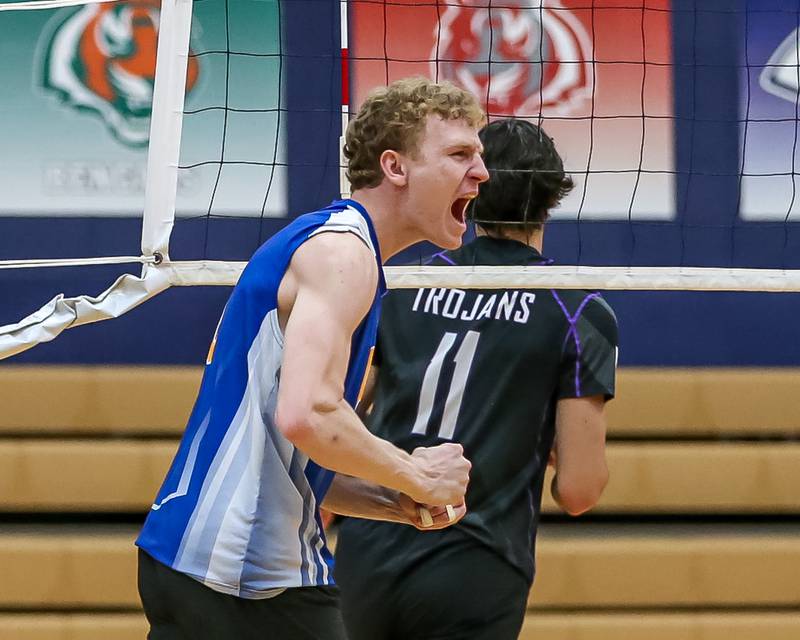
(461, 591)
(180, 607)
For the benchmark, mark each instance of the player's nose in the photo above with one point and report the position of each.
(479, 171)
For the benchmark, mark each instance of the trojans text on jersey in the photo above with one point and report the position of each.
(457, 304)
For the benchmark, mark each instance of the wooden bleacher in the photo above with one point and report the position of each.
(702, 442)
(122, 475)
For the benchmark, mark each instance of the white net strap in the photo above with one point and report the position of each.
(63, 313)
(32, 5)
(76, 262)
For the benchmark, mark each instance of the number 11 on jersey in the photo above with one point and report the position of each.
(463, 359)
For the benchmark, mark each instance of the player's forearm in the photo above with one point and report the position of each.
(349, 496)
(581, 469)
(336, 439)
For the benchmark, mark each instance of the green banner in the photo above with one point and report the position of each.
(75, 110)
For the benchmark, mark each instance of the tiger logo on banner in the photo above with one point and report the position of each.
(540, 55)
(102, 58)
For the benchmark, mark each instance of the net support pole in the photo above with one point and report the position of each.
(344, 183)
(165, 126)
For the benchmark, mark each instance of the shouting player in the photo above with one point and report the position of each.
(233, 546)
(518, 377)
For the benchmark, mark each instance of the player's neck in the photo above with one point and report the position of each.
(392, 235)
(530, 238)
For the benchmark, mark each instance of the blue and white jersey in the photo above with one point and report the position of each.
(238, 509)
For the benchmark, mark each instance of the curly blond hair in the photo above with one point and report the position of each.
(394, 117)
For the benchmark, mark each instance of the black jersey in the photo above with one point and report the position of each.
(485, 368)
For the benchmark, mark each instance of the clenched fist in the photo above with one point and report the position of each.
(442, 474)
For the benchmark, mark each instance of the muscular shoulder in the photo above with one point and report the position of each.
(331, 276)
(327, 255)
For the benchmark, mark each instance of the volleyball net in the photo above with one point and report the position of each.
(674, 190)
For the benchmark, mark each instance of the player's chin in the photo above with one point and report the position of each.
(452, 242)
(453, 233)
(447, 237)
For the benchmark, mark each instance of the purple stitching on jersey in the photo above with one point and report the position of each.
(443, 257)
(573, 331)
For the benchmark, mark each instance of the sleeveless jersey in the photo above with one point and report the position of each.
(484, 368)
(238, 509)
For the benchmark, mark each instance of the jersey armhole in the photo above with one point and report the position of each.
(342, 229)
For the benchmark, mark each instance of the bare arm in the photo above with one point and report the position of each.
(325, 294)
(580, 454)
(349, 496)
(358, 498)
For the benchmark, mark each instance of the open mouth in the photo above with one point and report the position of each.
(459, 208)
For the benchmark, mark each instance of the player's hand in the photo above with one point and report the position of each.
(443, 474)
(440, 517)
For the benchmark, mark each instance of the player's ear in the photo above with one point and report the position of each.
(394, 167)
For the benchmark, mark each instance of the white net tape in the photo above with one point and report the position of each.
(539, 277)
(595, 278)
(130, 291)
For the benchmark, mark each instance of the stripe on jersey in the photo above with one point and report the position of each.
(188, 467)
(317, 480)
(223, 530)
(310, 563)
(222, 521)
(573, 331)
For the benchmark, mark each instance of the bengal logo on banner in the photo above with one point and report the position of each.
(102, 58)
(519, 56)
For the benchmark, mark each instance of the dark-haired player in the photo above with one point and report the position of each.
(518, 377)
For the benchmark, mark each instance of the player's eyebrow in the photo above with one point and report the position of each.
(464, 146)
